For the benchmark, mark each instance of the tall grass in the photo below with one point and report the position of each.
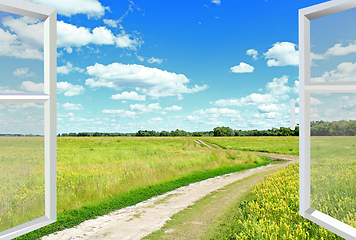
(271, 211)
(99, 175)
(283, 145)
(21, 180)
(333, 177)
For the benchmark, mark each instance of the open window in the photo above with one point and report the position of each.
(327, 140)
(28, 156)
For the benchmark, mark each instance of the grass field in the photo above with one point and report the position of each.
(282, 145)
(21, 180)
(333, 177)
(98, 175)
(271, 211)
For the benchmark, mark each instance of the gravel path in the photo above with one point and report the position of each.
(137, 221)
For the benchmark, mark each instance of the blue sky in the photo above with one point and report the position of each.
(160, 65)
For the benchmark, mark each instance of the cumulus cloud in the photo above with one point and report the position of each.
(91, 8)
(73, 36)
(173, 108)
(24, 72)
(142, 108)
(251, 99)
(25, 37)
(242, 68)
(338, 50)
(279, 88)
(29, 86)
(69, 89)
(344, 72)
(282, 54)
(129, 96)
(153, 82)
(252, 52)
(155, 60)
(25, 42)
(72, 106)
(266, 108)
(120, 113)
(315, 101)
(68, 68)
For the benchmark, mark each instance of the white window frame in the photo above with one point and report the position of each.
(305, 88)
(49, 98)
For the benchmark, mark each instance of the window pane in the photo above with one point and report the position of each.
(333, 155)
(22, 193)
(21, 54)
(333, 47)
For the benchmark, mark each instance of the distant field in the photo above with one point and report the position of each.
(100, 170)
(282, 145)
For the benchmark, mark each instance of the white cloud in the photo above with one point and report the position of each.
(252, 52)
(338, 50)
(69, 89)
(120, 113)
(271, 115)
(282, 54)
(92, 8)
(155, 60)
(153, 82)
(251, 99)
(25, 105)
(24, 72)
(140, 58)
(219, 112)
(315, 101)
(173, 108)
(278, 87)
(217, 2)
(345, 71)
(68, 68)
(111, 22)
(157, 119)
(267, 108)
(29, 86)
(129, 96)
(347, 102)
(193, 118)
(72, 106)
(142, 108)
(242, 68)
(27, 40)
(73, 36)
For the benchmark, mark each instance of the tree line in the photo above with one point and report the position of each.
(217, 132)
(335, 128)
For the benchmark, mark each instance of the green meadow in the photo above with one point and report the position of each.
(97, 175)
(282, 145)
